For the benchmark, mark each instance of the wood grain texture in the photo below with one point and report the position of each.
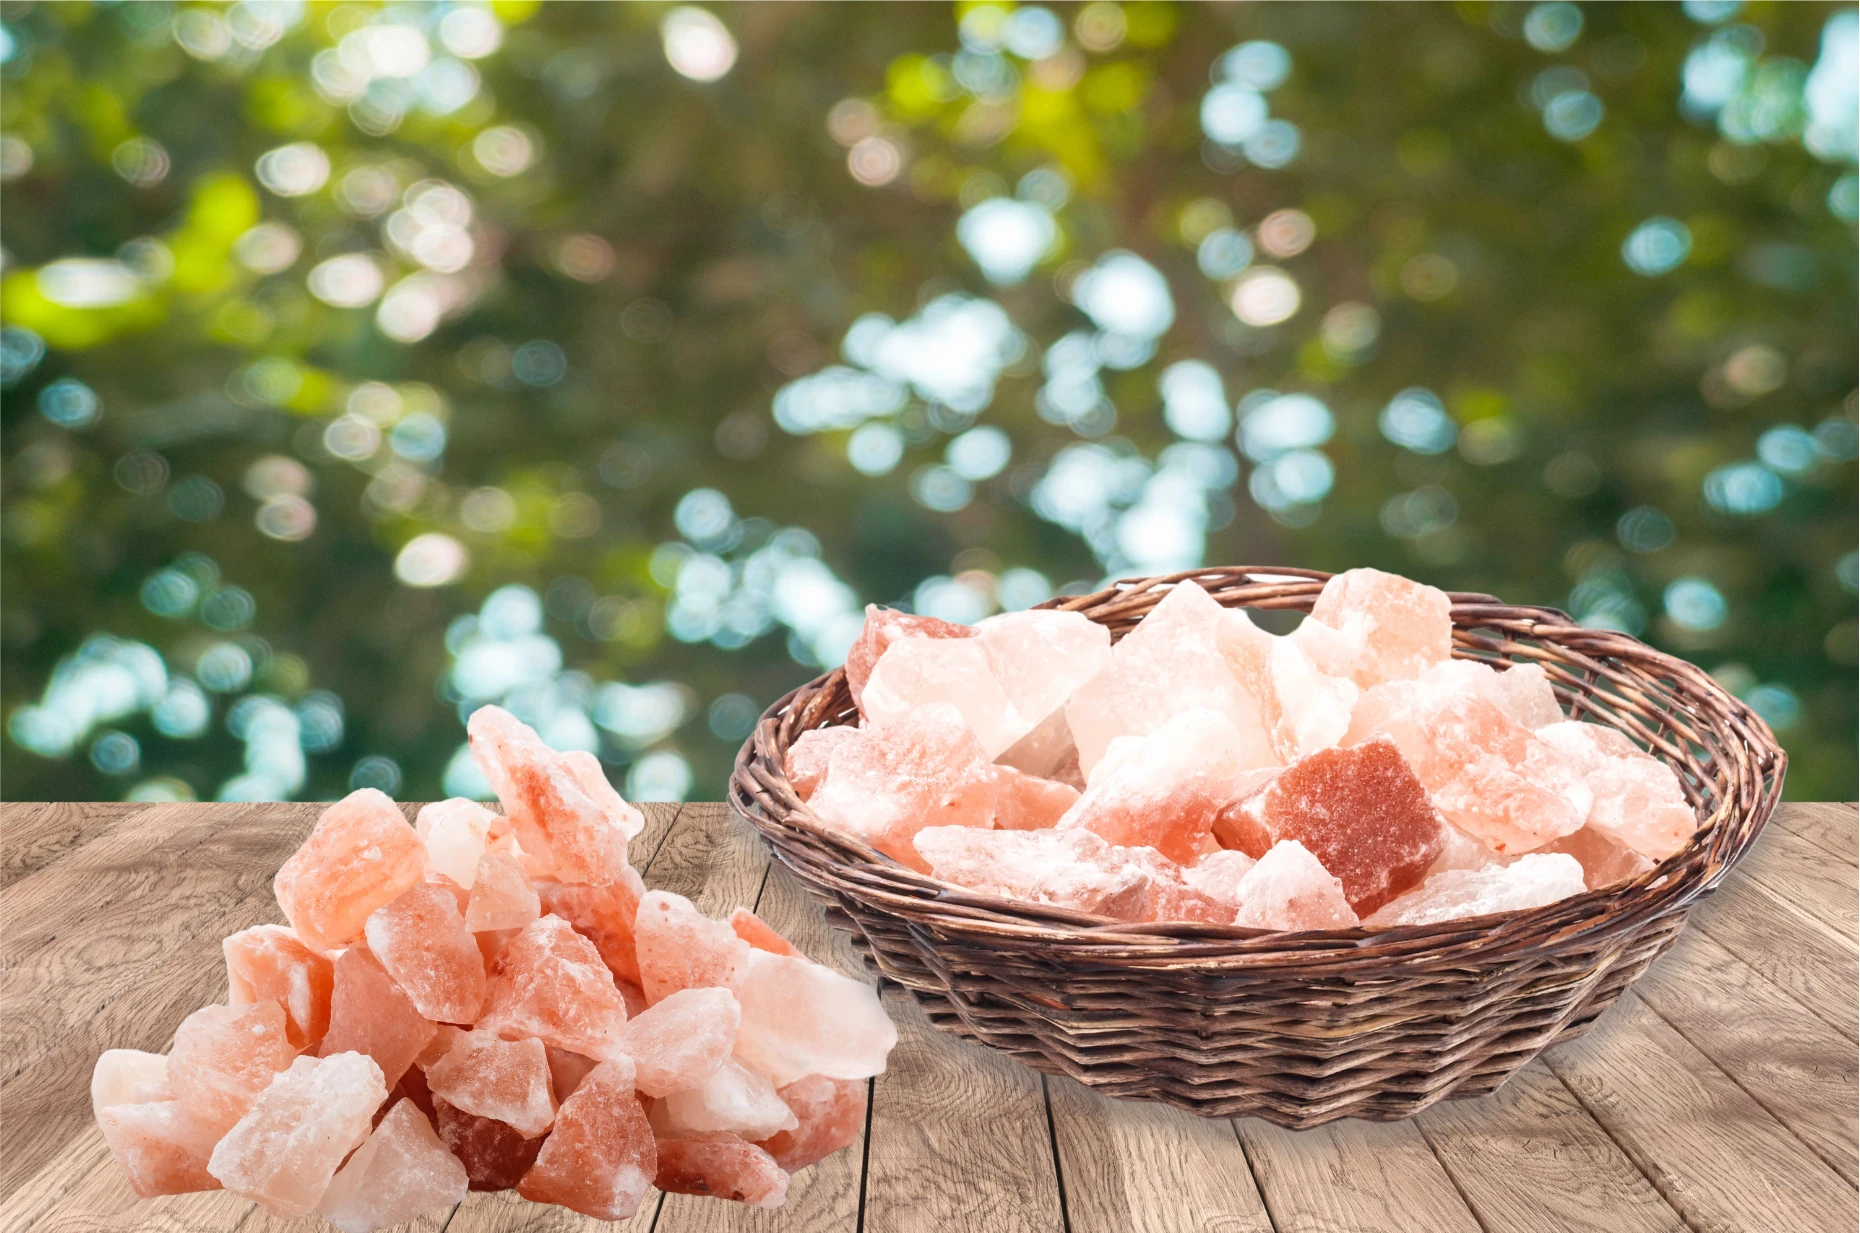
(34, 835)
(1351, 1177)
(1834, 828)
(1806, 959)
(1800, 874)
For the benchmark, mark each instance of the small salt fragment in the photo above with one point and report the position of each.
(1164, 789)
(1401, 626)
(800, 1018)
(1303, 710)
(285, 1150)
(1604, 862)
(1026, 803)
(1171, 898)
(269, 963)
(550, 983)
(128, 1077)
(808, 757)
(501, 897)
(586, 770)
(1040, 656)
(369, 1013)
(883, 626)
(162, 1147)
(1217, 875)
(602, 914)
(1638, 800)
(920, 672)
(1290, 889)
(504, 1079)
(1531, 881)
(567, 1070)
(566, 832)
(1047, 751)
(601, 1158)
(758, 933)
(734, 1098)
(455, 833)
(1074, 868)
(1461, 851)
(830, 1115)
(421, 939)
(224, 1056)
(681, 948)
(402, 1172)
(495, 1156)
(723, 1166)
(681, 1040)
(1523, 692)
(360, 856)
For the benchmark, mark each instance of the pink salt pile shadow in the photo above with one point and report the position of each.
(495, 1002)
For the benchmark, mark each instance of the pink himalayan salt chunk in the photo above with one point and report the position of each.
(1638, 801)
(1026, 802)
(1074, 868)
(369, 1013)
(1040, 656)
(1047, 751)
(1400, 626)
(1171, 897)
(681, 1041)
(224, 1056)
(162, 1147)
(586, 769)
(808, 757)
(883, 626)
(402, 1172)
(1604, 862)
(1360, 811)
(1168, 665)
(601, 1158)
(800, 1018)
(549, 982)
(723, 1166)
(1217, 875)
(501, 897)
(919, 672)
(564, 831)
(758, 933)
(504, 1079)
(1289, 889)
(830, 1115)
(128, 1077)
(1461, 851)
(1303, 709)
(455, 833)
(681, 948)
(495, 1156)
(895, 779)
(734, 1098)
(567, 1070)
(605, 915)
(1164, 789)
(443, 1039)
(1487, 774)
(361, 855)
(269, 963)
(421, 940)
(284, 1152)
(1531, 881)
(1522, 691)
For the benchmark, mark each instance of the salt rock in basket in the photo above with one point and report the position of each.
(402, 1172)
(1393, 627)
(508, 1080)
(919, 672)
(1638, 801)
(549, 983)
(224, 1056)
(1303, 709)
(884, 626)
(1289, 889)
(601, 1157)
(456, 833)
(1041, 656)
(681, 948)
(361, 855)
(806, 764)
(1604, 862)
(1531, 881)
(829, 1115)
(681, 1041)
(1075, 869)
(800, 1018)
(1164, 789)
(1026, 802)
(722, 1165)
(369, 1013)
(422, 941)
(1217, 875)
(287, 1147)
(734, 1098)
(269, 963)
(565, 830)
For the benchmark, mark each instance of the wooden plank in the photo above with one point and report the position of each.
(34, 835)
(710, 858)
(103, 1201)
(1804, 879)
(1834, 828)
(1138, 1167)
(1529, 1158)
(1346, 1177)
(1790, 1062)
(1806, 959)
(1714, 1153)
(65, 1170)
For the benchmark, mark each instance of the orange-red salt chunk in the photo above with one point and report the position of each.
(421, 940)
(1026, 802)
(602, 914)
(680, 1042)
(568, 833)
(735, 1099)
(369, 1013)
(1604, 862)
(758, 933)
(491, 942)
(800, 1018)
(806, 764)
(586, 770)
(1162, 790)
(883, 626)
(1361, 811)
(494, 1155)
(128, 1077)
(402, 1172)
(723, 1166)
(224, 1056)
(504, 1079)
(1401, 626)
(501, 897)
(601, 1158)
(455, 833)
(830, 1113)
(550, 983)
(566, 1070)
(681, 948)
(268, 963)
(1288, 889)
(161, 1146)
(286, 1149)
(361, 856)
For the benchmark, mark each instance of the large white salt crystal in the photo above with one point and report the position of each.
(1638, 800)
(1074, 868)
(454, 833)
(1401, 626)
(1290, 889)
(1040, 657)
(735, 1098)
(1303, 709)
(916, 672)
(128, 1077)
(402, 1172)
(1531, 881)
(800, 1018)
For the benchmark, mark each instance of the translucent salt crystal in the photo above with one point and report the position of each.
(734, 1098)
(1360, 811)
(723, 1166)
(421, 939)
(566, 832)
(680, 1041)
(361, 855)
(1217, 875)
(1040, 657)
(602, 914)
(1047, 751)
(224, 1056)
(1303, 709)
(269, 963)
(919, 672)
(1638, 800)
(402, 1172)
(600, 1159)
(1026, 802)
(883, 626)
(800, 1018)
(369, 1013)
(1165, 788)
(1289, 889)
(1400, 626)
(1171, 898)
(443, 1039)
(1523, 692)
(829, 1115)
(681, 948)
(461, 898)
(549, 982)
(495, 1156)
(455, 833)
(1168, 665)
(504, 1079)
(927, 769)
(808, 757)
(128, 1077)
(567, 1070)
(501, 897)
(588, 773)
(1074, 869)
(758, 933)
(1461, 851)
(285, 1150)
(1604, 862)
(160, 1146)
(1529, 882)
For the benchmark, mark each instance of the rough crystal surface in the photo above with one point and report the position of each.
(1302, 708)
(1026, 802)
(421, 939)
(883, 626)
(550, 983)
(681, 948)
(587, 772)
(504, 1079)
(369, 1013)
(360, 856)
(1290, 889)
(1604, 862)
(604, 915)
(1638, 802)
(1073, 868)
(734, 1098)
(1040, 657)
(269, 963)
(1398, 626)
(1531, 881)
(1047, 751)
(829, 1115)
(1165, 788)
(1217, 875)
(724, 1166)
(455, 833)
(287, 1147)
(800, 1018)
(402, 1172)
(224, 1056)
(501, 897)
(128, 1077)
(495, 1156)
(566, 832)
(809, 755)
(601, 1158)
(567, 1070)
(917, 672)
(161, 1146)
(681, 1040)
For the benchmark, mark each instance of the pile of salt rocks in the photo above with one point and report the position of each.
(1203, 769)
(491, 1001)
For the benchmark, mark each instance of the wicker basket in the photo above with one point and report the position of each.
(1296, 1028)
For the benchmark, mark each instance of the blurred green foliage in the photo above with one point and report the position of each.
(325, 323)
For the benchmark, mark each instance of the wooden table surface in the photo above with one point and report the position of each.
(1720, 1093)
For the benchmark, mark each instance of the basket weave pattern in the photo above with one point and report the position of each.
(1299, 1029)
